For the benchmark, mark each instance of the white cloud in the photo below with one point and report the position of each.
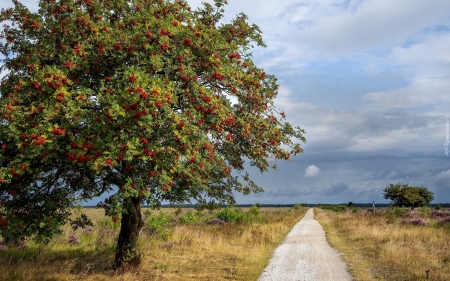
(428, 65)
(423, 92)
(392, 175)
(372, 23)
(312, 171)
(442, 178)
(369, 174)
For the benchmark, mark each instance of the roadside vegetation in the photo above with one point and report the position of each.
(392, 244)
(176, 244)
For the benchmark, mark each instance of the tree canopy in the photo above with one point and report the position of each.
(403, 195)
(145, 98)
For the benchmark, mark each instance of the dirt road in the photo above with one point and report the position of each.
(305, 255)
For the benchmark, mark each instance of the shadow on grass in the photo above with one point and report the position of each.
(41, 262)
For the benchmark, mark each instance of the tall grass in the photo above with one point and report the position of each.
(188, 247)
(392, 244)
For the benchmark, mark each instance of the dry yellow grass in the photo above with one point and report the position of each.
(378, 248)
(198, 252)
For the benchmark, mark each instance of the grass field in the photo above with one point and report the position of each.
(185, 248)
(392, 244)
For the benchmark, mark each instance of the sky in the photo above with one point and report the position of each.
(369, 81)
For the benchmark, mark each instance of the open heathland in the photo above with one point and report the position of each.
(392, 244)
(175, 245)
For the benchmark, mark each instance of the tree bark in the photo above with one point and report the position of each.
(131, 224)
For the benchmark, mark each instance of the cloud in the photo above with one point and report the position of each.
(442, 179)
(312, 171)
(336, 188)
(369, 174)
(369, 24)
(330, 131)
(288, 193)
(392, 175)
(428, 65)
(427, 91)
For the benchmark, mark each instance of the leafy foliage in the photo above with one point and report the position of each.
(146, 98)
(230, 214)
(189, 218)
(403, 195)
(158, 225)
(254, 210)
(297, 206)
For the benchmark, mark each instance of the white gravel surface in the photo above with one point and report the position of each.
(305, 255)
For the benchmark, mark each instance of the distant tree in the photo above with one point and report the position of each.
(350, 204)
(408, 196)
(145, 99)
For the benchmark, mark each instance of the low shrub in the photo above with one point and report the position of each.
(189, 218)
(230, 214)
(439, 214)
(254, 210)
(419, 222)
(159, 226)
(216, 222)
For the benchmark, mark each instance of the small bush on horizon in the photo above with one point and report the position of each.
(297, 207)
(254, 210)
(230, 214)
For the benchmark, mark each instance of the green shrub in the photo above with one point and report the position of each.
(189, 218)
(350, 204)
(297, 207)
(160, 226)
(230, 214)
(340, 208)
(438, 207)
(356, 210)
(254, 210)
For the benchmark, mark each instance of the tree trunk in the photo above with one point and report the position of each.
(131, 224)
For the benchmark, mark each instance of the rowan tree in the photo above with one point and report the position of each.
(148, 99)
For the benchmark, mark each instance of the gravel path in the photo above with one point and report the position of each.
(305, 255)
